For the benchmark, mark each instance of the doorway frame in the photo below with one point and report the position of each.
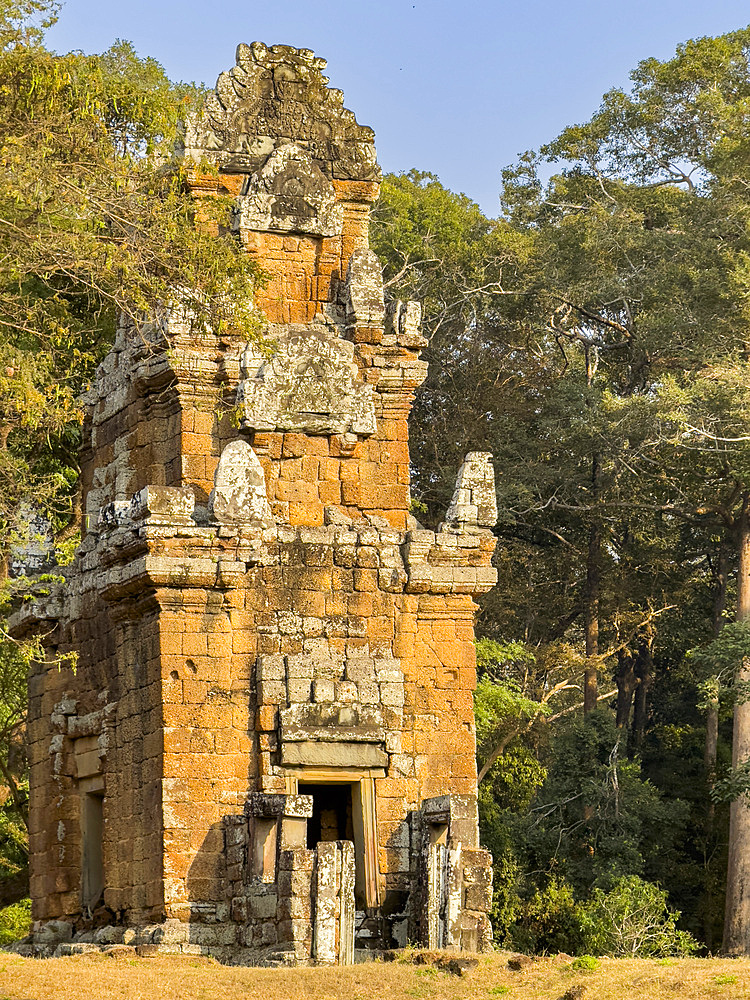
(364, 817)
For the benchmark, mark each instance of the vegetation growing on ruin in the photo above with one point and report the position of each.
(95, 221)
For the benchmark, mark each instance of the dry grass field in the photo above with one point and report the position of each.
(104, 977)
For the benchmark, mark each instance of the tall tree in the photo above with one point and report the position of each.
(94, 220)
(658, 182)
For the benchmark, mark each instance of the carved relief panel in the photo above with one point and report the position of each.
(310, 384)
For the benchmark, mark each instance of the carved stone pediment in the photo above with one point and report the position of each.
(290, 194)
(274, 96)
(309, 385)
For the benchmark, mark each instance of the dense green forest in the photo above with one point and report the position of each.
(595, 337)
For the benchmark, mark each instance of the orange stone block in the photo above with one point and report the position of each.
(310, 468)
(297, 492)
(366, 579)
(171, 644)
(350, 471)
(291, 469)
(341, 448)
(329, 493)
(307, 512)
(309, 602)
(353, 494)
(294, 445)
(360, 604)
(336, 604)
(317, 445)
(380, 628)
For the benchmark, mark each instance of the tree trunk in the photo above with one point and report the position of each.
(712, 711)
(591, 602)
(710, 751)
(737, 913)
(644, 671)
(720, 589)
(14, 888)
(709, 756)
(626, 684)
(712, 739)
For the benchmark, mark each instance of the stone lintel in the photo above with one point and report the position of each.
(330, 722)
(437, 809)
(340, 754)
(310, 385)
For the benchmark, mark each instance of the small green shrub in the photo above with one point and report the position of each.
(497, 991)
(550, 921)
(633, 919)
(15, 921)
(585, 963)
(406, 954)
(725, 979)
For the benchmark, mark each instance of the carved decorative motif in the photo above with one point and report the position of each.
(290, 194)
(310, 384)
(274, 96)
(364, 289)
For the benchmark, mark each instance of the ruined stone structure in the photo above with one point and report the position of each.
(266, 751)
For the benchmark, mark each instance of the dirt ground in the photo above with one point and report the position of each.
(104, 977)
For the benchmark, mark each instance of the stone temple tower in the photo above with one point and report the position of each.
(266, 751)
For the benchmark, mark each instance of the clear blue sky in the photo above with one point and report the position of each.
(458, 88)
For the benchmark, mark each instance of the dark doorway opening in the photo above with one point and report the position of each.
(332, 817)
(92, 831)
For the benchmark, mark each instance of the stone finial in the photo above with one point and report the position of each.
(474, 501)
(404, 321)
(364, 289)
(274, 96)
(239, 493)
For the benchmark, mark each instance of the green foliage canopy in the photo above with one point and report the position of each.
(94, 221)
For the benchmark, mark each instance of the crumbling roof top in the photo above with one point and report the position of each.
(272, 97)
